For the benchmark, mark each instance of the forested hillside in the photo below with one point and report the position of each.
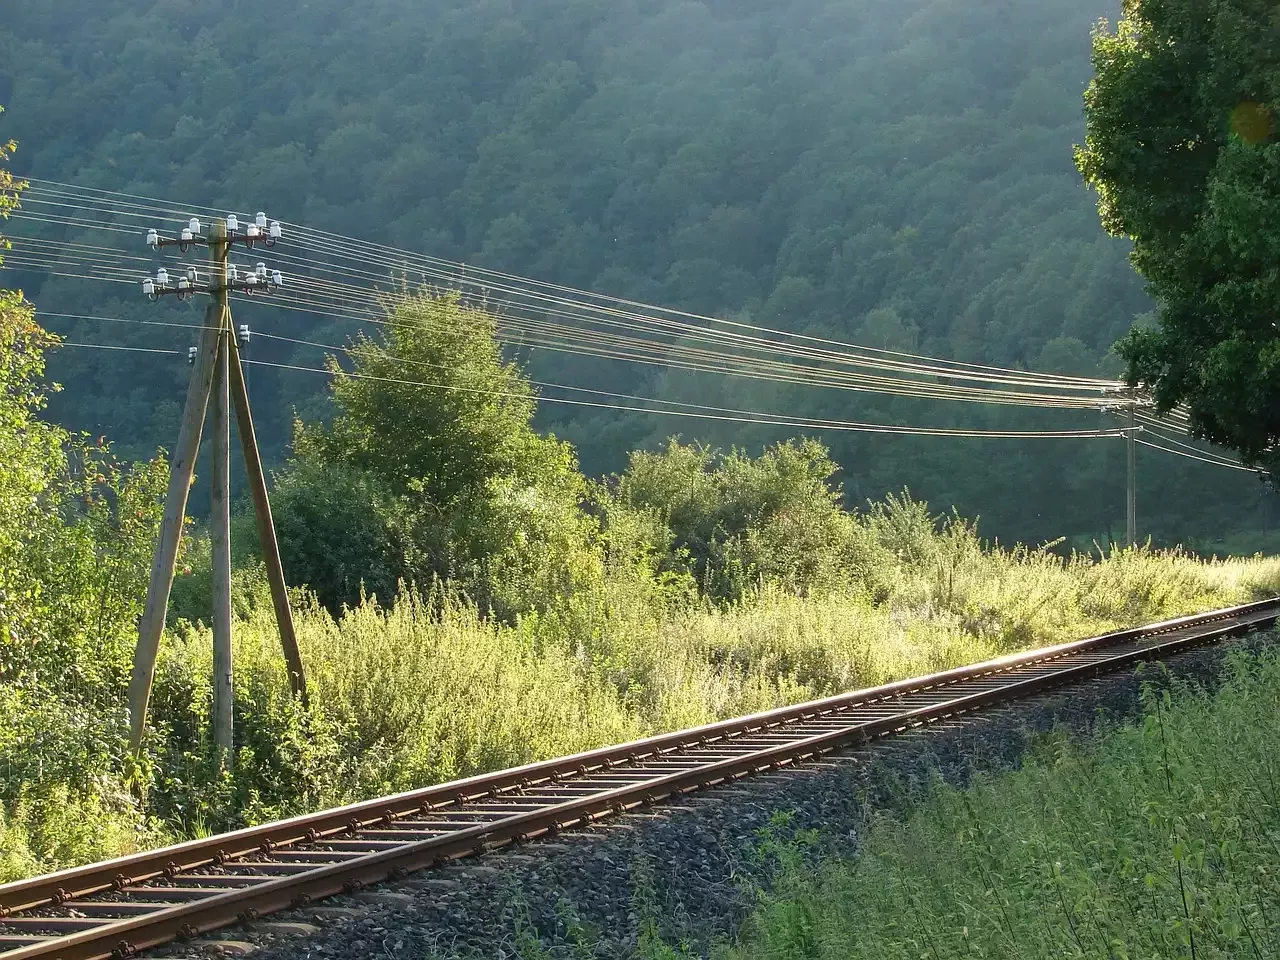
(891, 172)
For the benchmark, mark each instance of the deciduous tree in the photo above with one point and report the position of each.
(1183, 151)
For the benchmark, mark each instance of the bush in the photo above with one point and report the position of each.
(345, 534)
(431, 471)
(76, 533)
(737, 522)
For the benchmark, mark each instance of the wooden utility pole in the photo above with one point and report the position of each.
(216, 373)
(220, 515)
(181, 472)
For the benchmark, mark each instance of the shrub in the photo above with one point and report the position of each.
(432, 462)
(736, 522)
(76, 532)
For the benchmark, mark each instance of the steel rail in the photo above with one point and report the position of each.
(202, 885)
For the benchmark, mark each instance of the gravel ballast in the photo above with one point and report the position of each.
(688, 868)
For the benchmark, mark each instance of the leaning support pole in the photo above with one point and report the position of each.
(266, 525)
(181, 472)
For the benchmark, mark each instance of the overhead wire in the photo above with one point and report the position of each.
(580, 305)
(458, 273)
(86, 248)
(668, 361)
(365, 352)
(1156, 429)
(109, 346)
(532, 333)
(149, 323)
(713, 362)
(1190, 456)
(70, 222)
(593, 313)
(753, 416)
(404, 259)
(335, 293)
(743, 417)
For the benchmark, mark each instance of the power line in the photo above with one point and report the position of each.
(1216, 463)
(148, 323)
(541, 335)
(653, 319)
(760, 419)
(461, 274)
(535, 336)
(595, 308)
(337, 348)
(108, 346)
(710, 412)
(743, 416)
(361, 352)
(407, 258)
(1155, 426)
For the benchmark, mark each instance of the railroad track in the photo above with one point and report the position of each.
(118, 908)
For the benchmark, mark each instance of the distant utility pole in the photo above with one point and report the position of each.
(1131, 443)
(217, 382)
(1124, 402)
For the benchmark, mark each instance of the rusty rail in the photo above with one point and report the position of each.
(116, 908)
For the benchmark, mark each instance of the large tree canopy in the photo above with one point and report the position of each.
(1183, 152)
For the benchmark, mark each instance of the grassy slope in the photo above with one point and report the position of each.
(1161, 843)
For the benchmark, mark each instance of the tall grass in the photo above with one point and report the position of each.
(1161, 843)
(428, 689)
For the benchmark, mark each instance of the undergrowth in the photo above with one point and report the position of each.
(428, 689)
(1160, 842)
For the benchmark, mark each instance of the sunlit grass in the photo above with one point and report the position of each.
(429, 690)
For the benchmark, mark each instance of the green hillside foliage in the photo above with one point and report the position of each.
(892, 173)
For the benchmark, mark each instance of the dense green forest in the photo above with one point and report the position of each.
(897, 174)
